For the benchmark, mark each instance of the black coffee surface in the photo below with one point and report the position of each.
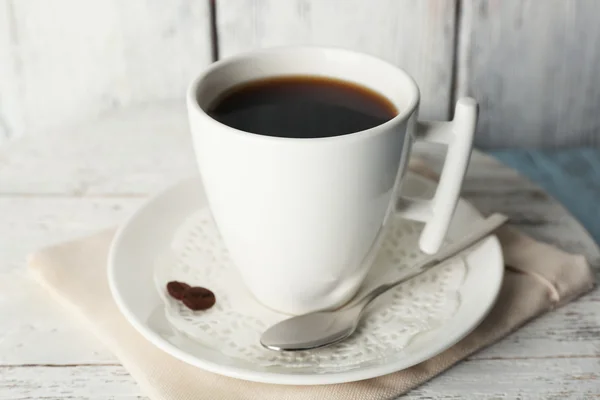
(302, 107)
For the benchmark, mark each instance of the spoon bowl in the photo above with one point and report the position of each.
(318, 329)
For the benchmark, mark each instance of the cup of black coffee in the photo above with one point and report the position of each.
(302, 151)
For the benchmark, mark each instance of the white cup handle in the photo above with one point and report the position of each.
(437, 212)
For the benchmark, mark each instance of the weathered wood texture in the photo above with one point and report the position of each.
(417, 35)
(571, 175)
(72, 182)
(558, 379)
(533, 65)
(66, 60)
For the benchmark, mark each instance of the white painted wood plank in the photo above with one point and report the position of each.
(133, 152)
(76, 382)
(516, 379)
(478, 379)
(69, 60)
(533, 67)
(417, 35)
(571, 331)
(11, 115)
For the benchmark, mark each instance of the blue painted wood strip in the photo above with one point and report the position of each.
(572, 176)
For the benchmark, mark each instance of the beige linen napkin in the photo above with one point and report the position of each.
(538, 278)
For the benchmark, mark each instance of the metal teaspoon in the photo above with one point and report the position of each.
(323, 328)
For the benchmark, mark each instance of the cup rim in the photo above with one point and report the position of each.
(192, 102)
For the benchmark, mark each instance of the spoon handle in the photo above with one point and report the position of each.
(478, 231)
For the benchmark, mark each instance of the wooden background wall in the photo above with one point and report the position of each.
(534, 65)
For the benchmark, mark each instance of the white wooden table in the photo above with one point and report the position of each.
(72, 182)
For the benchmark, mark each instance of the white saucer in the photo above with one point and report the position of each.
(149, 233)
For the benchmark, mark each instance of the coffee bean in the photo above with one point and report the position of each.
(198, 298)
(176, 289)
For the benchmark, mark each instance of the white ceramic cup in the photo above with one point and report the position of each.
(303, 218)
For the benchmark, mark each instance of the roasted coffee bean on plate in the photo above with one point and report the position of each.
(198, 298)
(195, 298)
(176, 289)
